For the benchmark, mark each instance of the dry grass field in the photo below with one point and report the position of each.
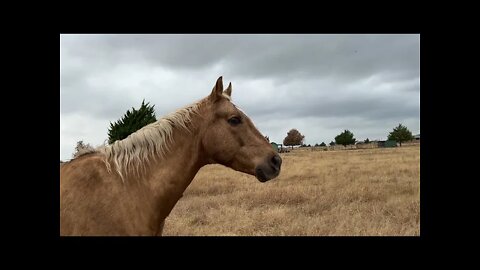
(367, 192)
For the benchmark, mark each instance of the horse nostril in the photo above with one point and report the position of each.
(276, 161)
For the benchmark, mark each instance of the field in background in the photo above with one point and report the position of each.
(324, 193)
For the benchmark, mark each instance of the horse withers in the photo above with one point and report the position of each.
(131, 186)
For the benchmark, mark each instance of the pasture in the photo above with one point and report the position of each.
(364, 192)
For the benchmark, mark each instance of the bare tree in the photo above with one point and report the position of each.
(82, 149)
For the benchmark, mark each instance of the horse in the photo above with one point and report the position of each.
(129, 188)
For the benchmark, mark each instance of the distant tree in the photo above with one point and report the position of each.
(367, 141)
(317, 145)
(309, 145)
(294, 137)
(131, 122)
(400, 134)
(345, 138)
(332, 143)
(81, 149)
(323, 144)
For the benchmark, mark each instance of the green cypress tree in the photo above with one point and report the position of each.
(345, 138)
(400, 134)
(131, 122)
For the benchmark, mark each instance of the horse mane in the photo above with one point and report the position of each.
(153, 140)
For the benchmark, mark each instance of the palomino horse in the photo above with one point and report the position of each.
(130, 186)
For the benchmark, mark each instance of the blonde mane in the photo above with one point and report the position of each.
(132, 153)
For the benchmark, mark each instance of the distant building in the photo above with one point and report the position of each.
(279, 147)
(275, 146)
(387, 143)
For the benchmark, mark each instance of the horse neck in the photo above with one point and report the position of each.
(170, 176)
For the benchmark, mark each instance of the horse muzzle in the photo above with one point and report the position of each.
(269, 169)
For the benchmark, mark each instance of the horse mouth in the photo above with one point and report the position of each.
(264, 176)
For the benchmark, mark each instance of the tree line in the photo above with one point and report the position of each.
(399, 134)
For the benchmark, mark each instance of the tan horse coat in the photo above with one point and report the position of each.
(130, 188)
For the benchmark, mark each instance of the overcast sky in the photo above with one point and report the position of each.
(318, 84)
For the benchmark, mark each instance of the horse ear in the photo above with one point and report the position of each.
(217, 90)
(228, 91)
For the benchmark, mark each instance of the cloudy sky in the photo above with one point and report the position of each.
(318, 84)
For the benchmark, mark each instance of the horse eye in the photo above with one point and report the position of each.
(234, 121)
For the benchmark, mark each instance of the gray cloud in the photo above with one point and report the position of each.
(320, 84)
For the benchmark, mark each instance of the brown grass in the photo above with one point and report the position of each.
(328, 193)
